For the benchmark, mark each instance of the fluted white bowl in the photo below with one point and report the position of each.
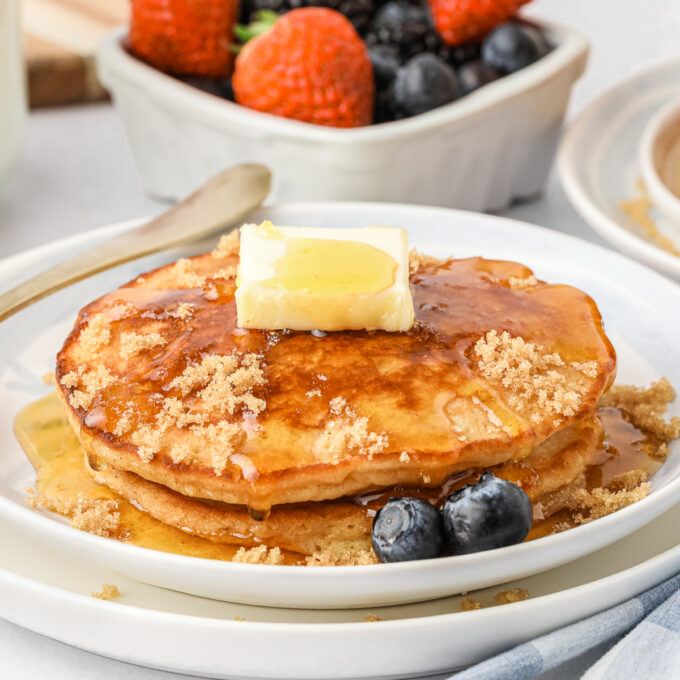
(478, 153)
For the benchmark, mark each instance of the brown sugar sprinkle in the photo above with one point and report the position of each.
(370, 618)
(313, 393)
(644, 408)
(418, 261)
(92, 381)
(529, 372)
(511, 595)
(124, 421)
(587, 506)
(227, 382)
(96, 334)
(227, 245)
(258, 555)
(341, 558)
(97, 516)
(468, 604)
(183, 310)
(108, 592)
(517, 283)
(185, 277)
(223, 384)
(133, 343)
(637, 210)
(345, 434)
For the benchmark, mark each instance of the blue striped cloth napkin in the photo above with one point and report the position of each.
(647, 627)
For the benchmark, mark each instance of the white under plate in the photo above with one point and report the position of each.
(599, 167)
(634, 302)
(48, 591)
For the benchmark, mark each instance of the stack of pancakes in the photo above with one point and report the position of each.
(293, 439)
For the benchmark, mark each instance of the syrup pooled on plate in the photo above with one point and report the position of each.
(58, 458)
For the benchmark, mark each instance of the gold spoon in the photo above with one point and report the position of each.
(221, 202)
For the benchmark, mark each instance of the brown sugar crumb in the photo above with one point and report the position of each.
(404, 457)
(644, 408)
(222, 384)
(226, 382)
(92, 381)
(370, 618)
(224, 435)
(227, 245)
(96, 334)
(184, 276)
(337, 405)
(239, 618)
(259, 555)
(587, 506)
(346, 433)
(637, 210)
(97, 516)
(124, 422)
(183, 310)
(517, 283)
(512, 595)
(147, 439)
(418, 261)
(529, 372)
(108, 592)
(133, 343)
(468, 604)
(224, 273)
(341, 558)
(313, 393)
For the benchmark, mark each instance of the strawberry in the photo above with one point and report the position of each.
(462, 21)
(311, 65)
(184, 36)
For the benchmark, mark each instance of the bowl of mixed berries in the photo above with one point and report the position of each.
(446, 102)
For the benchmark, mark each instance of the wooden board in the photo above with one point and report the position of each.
(60, 40)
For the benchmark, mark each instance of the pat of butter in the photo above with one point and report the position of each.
(306, 278)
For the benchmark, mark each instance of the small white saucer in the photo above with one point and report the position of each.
(599, 165)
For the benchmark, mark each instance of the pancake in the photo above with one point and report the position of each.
(158, 381)
(344, 525)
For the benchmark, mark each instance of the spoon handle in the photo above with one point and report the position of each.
(223, 201)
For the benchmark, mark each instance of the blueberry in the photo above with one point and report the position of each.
(490, 514)
(474, 74)
(407, 529)
(510, 47)
(405, 25)
(424, 83)
(386, 63)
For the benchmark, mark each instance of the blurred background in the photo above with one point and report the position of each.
(74, 170)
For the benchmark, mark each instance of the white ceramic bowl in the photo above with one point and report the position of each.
(660, 159)
(478, 153)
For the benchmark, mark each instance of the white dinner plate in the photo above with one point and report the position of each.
(48, 590)
(599, 167)
(635, 304)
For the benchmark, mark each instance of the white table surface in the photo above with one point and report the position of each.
(75, 172)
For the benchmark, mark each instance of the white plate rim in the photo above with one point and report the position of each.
(575, 185)
(662, 499)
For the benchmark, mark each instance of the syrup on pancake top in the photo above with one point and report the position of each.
(176, 403)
